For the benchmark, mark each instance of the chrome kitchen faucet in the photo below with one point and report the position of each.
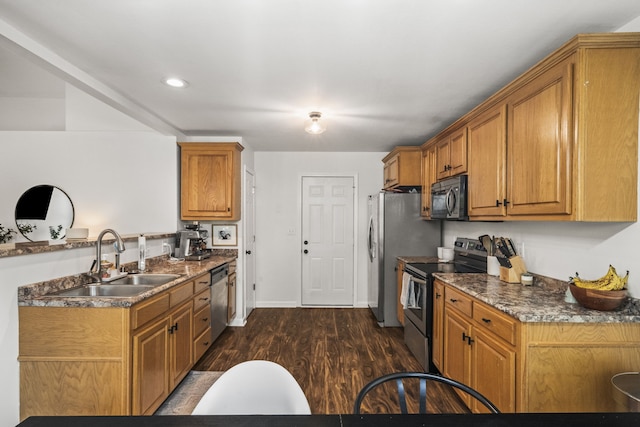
(118, 245)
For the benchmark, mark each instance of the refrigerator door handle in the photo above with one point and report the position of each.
(370, 242)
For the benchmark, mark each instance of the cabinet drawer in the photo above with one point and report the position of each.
(201, 283)
(201, 320)
(180, 294)
(459, 300)
(202, 299)
(499, 323)
(147, 310)
(201, 344)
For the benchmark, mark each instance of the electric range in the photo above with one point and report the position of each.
(469, 257)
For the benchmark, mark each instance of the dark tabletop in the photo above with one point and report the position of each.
(621, 419)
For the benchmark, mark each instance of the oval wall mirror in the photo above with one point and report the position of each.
(44, 212)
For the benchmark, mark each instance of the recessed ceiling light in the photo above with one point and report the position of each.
(175, 82)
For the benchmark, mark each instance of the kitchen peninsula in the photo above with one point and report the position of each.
(527, 349)
(113, 355)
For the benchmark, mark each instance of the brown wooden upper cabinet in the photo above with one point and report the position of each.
(561, 141)
(402, 167)
(429, 176)
(451, 154)
(539, 144)
(210, 181)
(526, 173)
(487, 163)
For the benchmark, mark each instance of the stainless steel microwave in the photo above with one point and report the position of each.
(449, 199)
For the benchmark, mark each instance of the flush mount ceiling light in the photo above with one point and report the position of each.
(313, 124)
(175, 82)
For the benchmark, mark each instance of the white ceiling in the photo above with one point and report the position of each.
(383, 72)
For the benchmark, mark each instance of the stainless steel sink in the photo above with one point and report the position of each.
(106, 290)
(128, 286)
(145, 279)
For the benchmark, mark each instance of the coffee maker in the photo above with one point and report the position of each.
(191, 244)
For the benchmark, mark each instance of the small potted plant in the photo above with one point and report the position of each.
(6, 234)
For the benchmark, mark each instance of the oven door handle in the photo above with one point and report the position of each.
(417, 280)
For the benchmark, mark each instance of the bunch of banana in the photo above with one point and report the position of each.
(609, 282)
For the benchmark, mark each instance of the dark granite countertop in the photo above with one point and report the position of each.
(40, 294)
(619, 419)
(418, 259)
(30, 248)
(543, 302)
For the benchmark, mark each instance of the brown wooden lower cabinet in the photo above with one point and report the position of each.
(181, 343)
(111, 361)
(533, 367)
(73, 361)
(457, 352)
(150, 366)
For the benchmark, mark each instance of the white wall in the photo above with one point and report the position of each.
(112, 178)
(278, 199)
(125, 180)
(558, 250)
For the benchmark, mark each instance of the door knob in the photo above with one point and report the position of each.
(306, 251)
(306, 242)
(247, 252)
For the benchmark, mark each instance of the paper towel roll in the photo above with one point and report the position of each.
(142, 252)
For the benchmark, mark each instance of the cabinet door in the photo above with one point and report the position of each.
(181, 342)
(150, 367)
(206, 184)
(539, 144)
(451, 154)
(231, 308)
(458, 152)
(457, 352)
(210, 181)
(494, 372)
(437, 342)
(442, 158)
(429, 176)
(392, 171)
(487, 163)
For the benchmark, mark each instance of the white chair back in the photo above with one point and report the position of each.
(256, 387)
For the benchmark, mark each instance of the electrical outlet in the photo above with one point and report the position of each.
(166, 248)
(520, 249)
(291, 231)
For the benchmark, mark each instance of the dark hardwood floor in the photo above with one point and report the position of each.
(332, 353)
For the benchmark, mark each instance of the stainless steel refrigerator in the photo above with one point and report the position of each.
(395, 229)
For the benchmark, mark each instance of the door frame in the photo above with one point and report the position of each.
(248, 193)
(354, 176)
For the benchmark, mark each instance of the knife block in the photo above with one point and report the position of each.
(512, 274)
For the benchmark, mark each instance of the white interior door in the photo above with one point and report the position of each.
(327, 240)
(249, 244)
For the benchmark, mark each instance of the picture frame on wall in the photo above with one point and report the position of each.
(224, 235)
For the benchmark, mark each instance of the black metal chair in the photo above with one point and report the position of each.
(423, 377)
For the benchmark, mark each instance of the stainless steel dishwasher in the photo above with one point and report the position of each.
(219, 300)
